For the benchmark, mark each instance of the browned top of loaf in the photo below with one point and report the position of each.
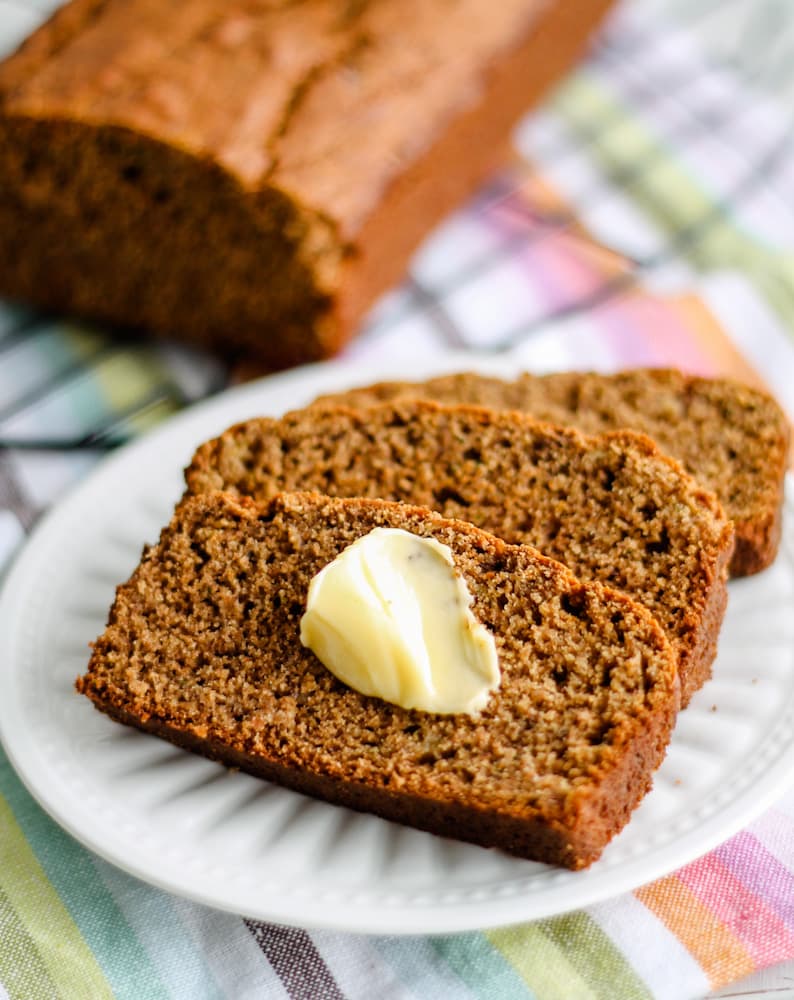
(610, 507)
(205, 637)
(734, 439)
(250, 84)
(251, 174)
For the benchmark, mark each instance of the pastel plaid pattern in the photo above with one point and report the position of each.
(647, 220)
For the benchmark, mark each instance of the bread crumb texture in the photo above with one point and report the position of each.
(732, 438)
(611, 507)
(202, 647)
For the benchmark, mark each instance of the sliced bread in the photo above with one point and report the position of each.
(610, 507)
(202, 648)
(734, 439)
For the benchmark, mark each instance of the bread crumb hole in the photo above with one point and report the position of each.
(131, 172)
(607, 479)
(574, 604)
(661, 545)
(447, 494)
(599, 736)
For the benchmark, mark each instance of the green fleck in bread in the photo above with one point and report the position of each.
(611, 507)
(202, 648)
(734, 439)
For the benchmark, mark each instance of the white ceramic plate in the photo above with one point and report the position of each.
(232, 841)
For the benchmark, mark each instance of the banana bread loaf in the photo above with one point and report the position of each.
(611, 507)
(251, 175)
(734, 439)
(202, 647)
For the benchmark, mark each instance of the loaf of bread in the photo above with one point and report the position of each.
(250, 176)
(732, 438)
(611, 507)
(202, 647)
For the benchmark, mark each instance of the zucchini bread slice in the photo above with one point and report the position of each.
(732, 438)
(203, 648)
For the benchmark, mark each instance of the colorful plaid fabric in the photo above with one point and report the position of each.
(648, 219)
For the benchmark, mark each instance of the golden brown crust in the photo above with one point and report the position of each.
(612, 507)
(731, 437)
(253, 176)
(539, 840)
(552, 768)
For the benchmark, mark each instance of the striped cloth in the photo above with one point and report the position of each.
(647, 219)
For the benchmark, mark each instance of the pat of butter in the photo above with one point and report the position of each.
(391, 618)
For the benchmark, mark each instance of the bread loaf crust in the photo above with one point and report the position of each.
(552, 769)
(252, 176)
(538, 839)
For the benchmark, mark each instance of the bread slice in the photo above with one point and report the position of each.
(611, 507)
(734, 439)
(202, 648)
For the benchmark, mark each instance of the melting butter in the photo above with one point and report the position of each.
(391, 618)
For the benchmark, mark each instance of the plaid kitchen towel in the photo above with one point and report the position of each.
(647, 220)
